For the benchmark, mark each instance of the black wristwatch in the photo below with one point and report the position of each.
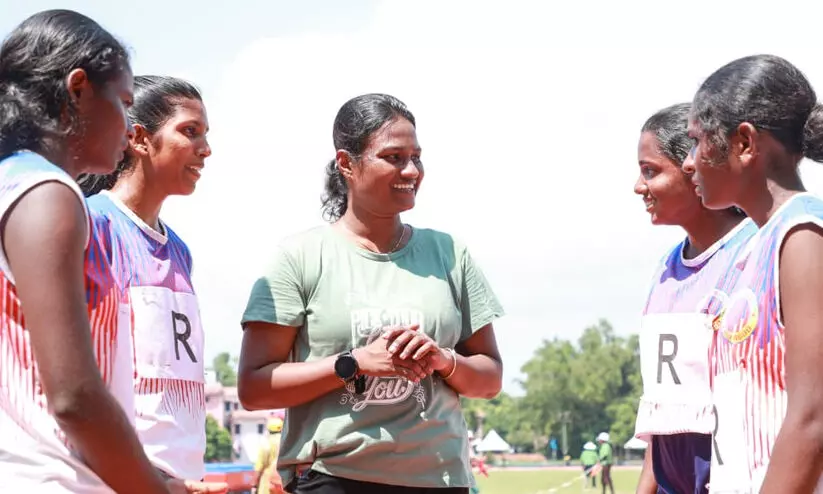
(345, 367)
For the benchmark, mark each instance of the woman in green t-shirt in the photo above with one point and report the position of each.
(368, 330)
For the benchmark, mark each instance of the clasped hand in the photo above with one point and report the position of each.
(403, 351)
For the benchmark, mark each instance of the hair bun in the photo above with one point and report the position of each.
(813, 134)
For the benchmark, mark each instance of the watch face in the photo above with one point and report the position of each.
(345, 367)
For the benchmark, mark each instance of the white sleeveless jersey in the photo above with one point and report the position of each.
(35, 454)
(749, 369)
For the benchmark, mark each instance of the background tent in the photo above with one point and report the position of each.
(634, 449)
(635, 444)
(493, 443)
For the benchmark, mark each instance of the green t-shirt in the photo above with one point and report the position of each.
(588, 457)
(341, 297)
(606, 454)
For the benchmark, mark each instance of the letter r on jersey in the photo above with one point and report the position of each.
(666, 358)
(183, 337)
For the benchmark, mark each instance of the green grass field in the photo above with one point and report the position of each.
(551, 482)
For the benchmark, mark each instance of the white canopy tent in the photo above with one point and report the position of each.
(493, 443)
(635, 444)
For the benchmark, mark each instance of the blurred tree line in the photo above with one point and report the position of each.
(588, 387)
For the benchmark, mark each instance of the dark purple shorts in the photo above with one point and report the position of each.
(682, 462)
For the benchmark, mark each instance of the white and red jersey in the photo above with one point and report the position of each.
(749, 385)
(153, 270)
(35, 454)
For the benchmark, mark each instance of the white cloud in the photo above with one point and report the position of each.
(528, 113)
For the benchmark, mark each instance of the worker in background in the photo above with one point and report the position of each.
(606, 457)
(269, 481)
(589, 459)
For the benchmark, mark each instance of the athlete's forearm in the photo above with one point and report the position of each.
(476, 376)
(96, 424)
(647, 484)
(287, 384)
(796, 462)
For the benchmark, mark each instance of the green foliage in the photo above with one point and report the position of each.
(224, 366)
(218, 442)
(593, 386)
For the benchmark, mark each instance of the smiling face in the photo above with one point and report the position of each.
(178, 150)
(666, 190)
(389, 171)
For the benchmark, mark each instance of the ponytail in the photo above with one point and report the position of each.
(335, 198)
(92, 184)
(24, 124)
